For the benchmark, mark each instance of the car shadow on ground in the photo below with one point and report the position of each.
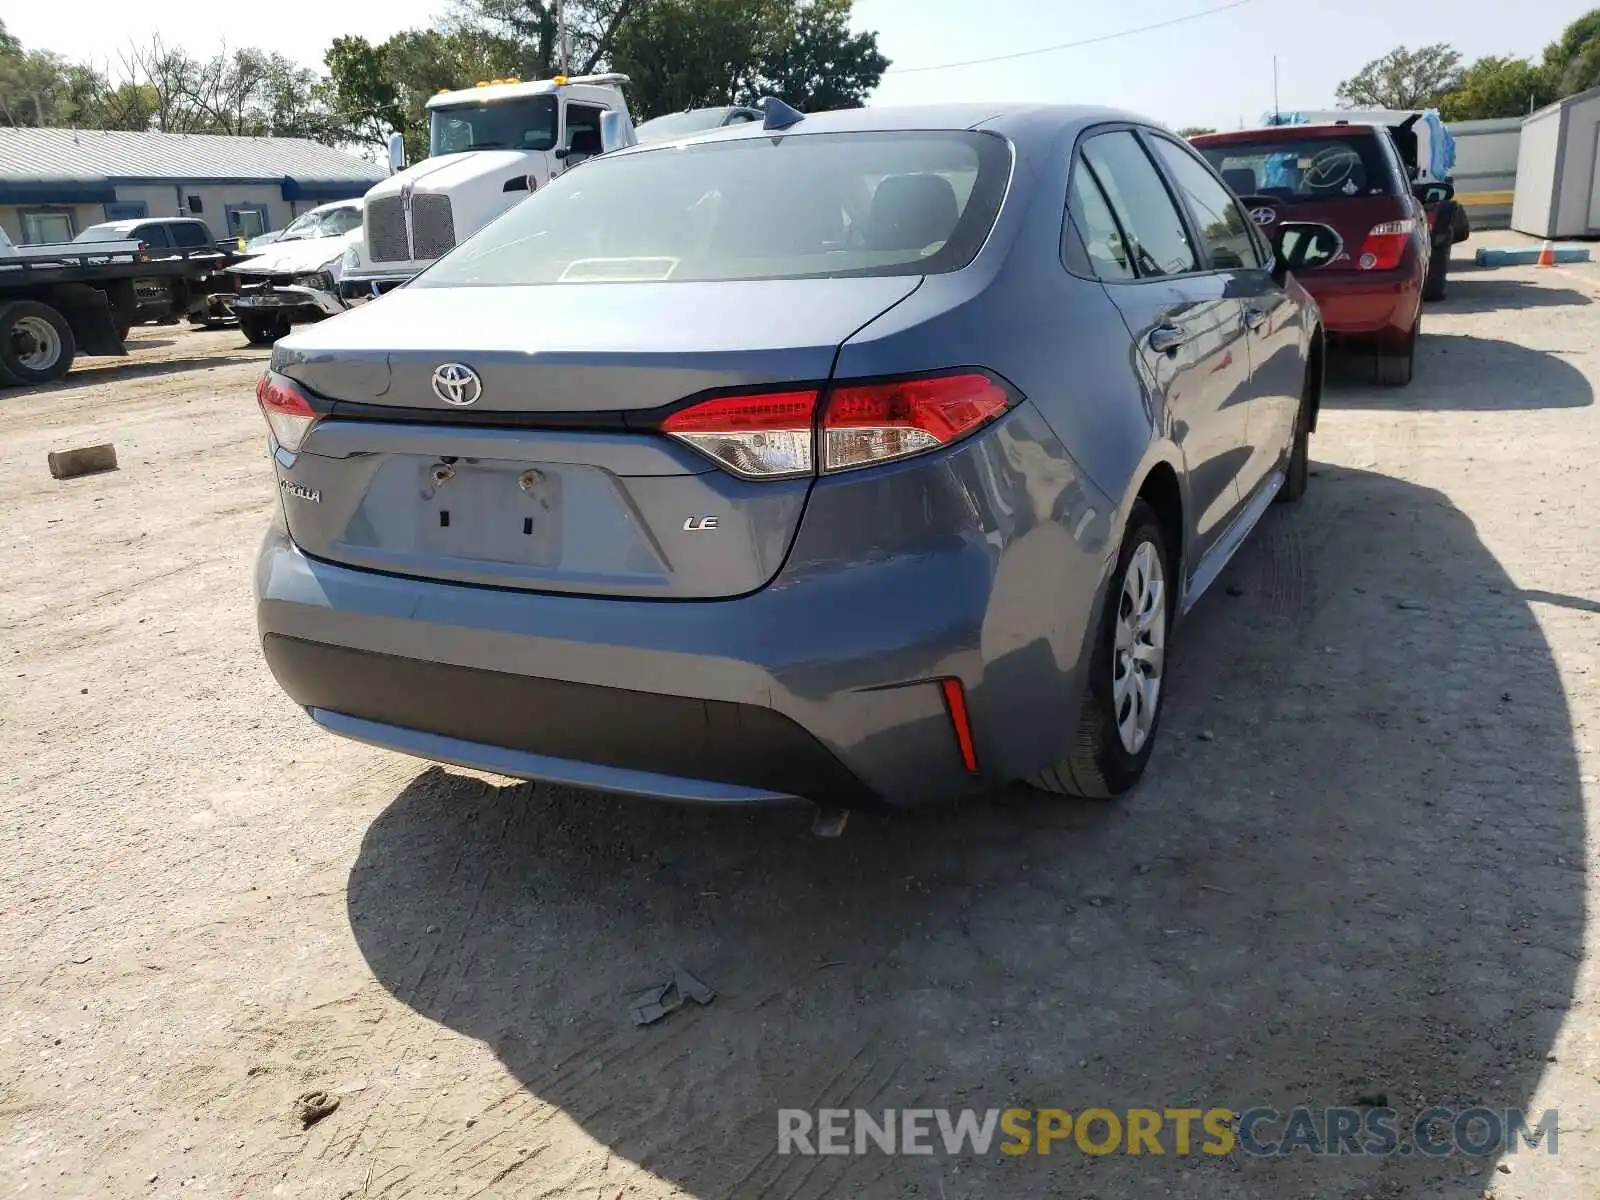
(98, 371)
(1355, 869)
(1471, 292)
(1449, 372)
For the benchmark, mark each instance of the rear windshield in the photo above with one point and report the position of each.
(803, 206)
(105, 233)
(682, 124)
(1321, 167)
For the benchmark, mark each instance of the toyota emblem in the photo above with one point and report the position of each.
(1263, 215)
(457, 384)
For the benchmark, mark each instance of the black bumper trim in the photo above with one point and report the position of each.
(716, 740)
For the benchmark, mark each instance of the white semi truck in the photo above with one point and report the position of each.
(488, 147)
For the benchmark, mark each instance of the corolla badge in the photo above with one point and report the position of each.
(457, 384)
(1263, 215)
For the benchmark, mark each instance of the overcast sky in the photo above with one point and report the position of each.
(1214, 70)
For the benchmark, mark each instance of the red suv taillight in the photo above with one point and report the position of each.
(1386, 245)
(288, 414)
(776, 435)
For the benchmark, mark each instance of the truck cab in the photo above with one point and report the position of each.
(489, 146)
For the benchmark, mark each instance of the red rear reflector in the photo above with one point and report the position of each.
(288, 414)
(955, 703)
(878, 422)
(765, 436)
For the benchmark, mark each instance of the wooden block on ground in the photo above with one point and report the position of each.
(85, 460)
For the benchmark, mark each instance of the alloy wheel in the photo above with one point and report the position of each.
(1140, 650)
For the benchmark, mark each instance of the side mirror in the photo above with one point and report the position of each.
(397, 153)
(1303, 246)
(1432, 193)
(614, 135)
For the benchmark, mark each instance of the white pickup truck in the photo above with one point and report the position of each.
(488, 147)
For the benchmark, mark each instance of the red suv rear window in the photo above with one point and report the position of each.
(1297, 170)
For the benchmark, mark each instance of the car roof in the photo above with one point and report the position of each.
(1285, 133)
(125, 223)
(1019, 122)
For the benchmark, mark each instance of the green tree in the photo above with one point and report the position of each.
(817, 63)
(1498, 87)
(1573, 60)
(371, 91)
(1404, 79)
(682, 54)
(1189, 131)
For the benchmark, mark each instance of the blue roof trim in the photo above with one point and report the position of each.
(324, 189)
(56, 191)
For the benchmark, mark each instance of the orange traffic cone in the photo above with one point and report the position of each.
(1547, 254)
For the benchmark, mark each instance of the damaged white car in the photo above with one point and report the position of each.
(296, 278)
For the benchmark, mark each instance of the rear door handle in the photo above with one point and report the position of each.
(1255, 318)
(1165, 339)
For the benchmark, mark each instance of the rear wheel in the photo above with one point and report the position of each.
(36, 343)
(262, 330)
(1298, 473)
(1394, 369)
(1438, 268)
(1116, 723)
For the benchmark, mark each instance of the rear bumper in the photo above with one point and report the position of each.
(825, 685)
(1382, 307)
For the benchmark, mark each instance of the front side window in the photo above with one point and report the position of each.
(526, 123)
(794, 207)
(583, 130)
(154, 236)
(187, 233)
(1224, 229)
(1154, 232)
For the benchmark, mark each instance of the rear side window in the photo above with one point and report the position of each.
(1102, 240)
(794, 207)
(1223, 227)
(1152, 229)
(1304, 169)
(187, 233)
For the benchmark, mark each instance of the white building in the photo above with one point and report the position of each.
(54, 183)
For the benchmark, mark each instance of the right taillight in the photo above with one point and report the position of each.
(1386, 245)
(777, 435)
(286, 409)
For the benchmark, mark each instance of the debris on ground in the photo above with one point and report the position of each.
(311, 1107)
(652, 1005)
(85, 460)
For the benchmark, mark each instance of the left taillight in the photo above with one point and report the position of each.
(289, 415)
(1385, 245)
(778, 435)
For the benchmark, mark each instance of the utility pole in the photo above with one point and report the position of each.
(561, 35)
(1277, 115)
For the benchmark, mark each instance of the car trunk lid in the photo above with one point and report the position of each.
(551, 478)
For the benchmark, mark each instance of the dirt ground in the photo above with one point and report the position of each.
(1360, 862)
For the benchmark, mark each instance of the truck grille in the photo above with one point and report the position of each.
(433, 229)
(386, 230)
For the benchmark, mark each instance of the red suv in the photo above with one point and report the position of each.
(1349, 178)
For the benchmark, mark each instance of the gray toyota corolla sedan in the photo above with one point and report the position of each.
(868, 457)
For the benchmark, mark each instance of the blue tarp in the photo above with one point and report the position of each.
(1441, 143)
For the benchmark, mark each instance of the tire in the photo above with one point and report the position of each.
(36, 343)
(1103, 765)
(263, 331)
(1298, 472)
(1438, 270)
(1394, 370)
